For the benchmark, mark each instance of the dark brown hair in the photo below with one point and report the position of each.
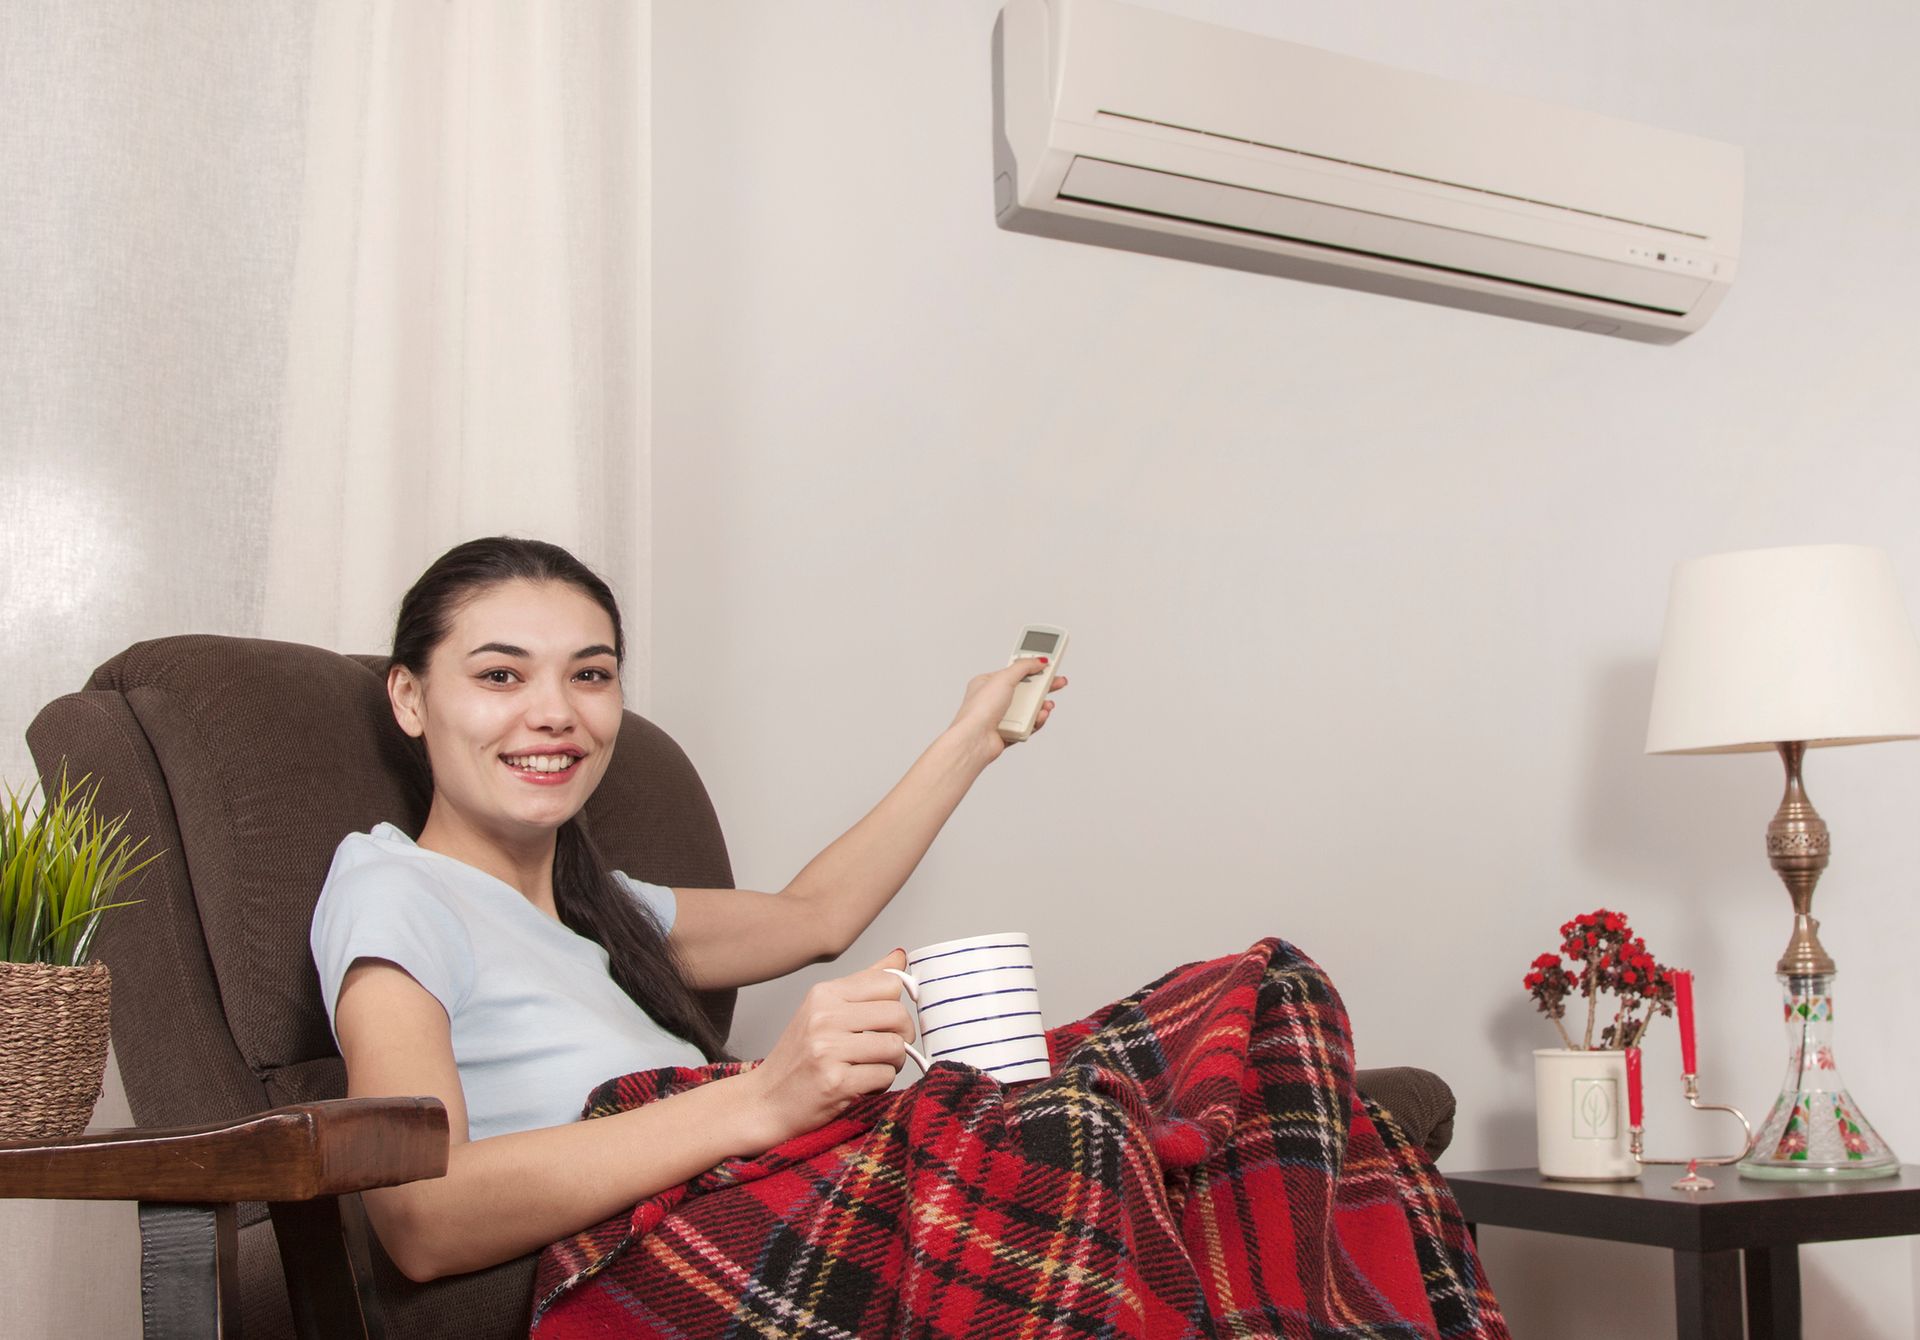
(589, 900)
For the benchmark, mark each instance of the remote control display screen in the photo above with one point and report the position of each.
(1038, 642)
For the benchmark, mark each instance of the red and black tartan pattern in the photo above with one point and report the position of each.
(1199, 1164)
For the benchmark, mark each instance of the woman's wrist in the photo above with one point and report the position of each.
(748, 1125)
(967, 750)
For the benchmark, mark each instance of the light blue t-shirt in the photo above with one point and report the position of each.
(537, 1019)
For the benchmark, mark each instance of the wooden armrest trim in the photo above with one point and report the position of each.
(291, 1153)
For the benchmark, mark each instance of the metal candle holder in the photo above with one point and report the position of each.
(1692, 1180)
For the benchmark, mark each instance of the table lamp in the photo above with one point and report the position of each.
(1786, 650)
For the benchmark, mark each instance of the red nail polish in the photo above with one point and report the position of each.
(1043, 660)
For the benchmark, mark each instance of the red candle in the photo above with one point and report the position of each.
(1683, 1002)
(1633, 1086)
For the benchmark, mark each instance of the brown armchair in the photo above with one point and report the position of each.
(245, 762)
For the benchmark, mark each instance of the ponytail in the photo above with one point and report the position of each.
(592, 903)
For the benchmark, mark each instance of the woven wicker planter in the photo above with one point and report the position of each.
(53, 1048)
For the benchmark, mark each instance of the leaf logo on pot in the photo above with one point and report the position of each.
(1596, 1116)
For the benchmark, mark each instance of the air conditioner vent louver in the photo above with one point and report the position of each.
(1335, 232)
(1396, 172)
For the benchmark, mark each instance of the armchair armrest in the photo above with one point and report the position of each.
(1420, 1101)
(288, 1154)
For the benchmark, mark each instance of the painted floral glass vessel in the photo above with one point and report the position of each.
(1815, 1128)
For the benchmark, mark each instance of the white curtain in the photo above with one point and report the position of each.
(293, 296)
(464, 350)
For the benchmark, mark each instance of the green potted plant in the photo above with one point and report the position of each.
(61, 863)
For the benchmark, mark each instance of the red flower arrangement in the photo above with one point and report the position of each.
(1606, 956)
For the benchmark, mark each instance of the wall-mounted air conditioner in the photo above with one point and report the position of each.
(1137, 129)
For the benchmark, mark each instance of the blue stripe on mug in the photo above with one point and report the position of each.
(981, 1019)
(975, 972)
(981, 995)
(970, 949)
(1040, 1061)
(990, 1042)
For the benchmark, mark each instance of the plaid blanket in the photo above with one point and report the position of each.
(1199, 1164)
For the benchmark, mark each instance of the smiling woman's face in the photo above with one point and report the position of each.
(519, 709)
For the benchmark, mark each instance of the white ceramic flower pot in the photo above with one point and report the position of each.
(1581, 1108)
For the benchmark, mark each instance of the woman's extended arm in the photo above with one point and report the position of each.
(734, 937)
(511, 1194)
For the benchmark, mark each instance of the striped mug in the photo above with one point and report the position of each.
(979, 1004)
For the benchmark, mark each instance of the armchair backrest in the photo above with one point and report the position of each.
(245, 762)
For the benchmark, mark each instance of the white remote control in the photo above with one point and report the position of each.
(1036, 639)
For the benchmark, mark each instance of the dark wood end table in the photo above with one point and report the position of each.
(1709, 1232)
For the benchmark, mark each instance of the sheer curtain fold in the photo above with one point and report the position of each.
(465, 347)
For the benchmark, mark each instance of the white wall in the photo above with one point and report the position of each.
(1365, 594)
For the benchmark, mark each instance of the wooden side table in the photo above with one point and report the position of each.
(300, 1159)
(1711, 1233)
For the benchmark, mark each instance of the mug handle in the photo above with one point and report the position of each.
(912, 984)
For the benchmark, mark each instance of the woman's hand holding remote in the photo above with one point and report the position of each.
(988, 696)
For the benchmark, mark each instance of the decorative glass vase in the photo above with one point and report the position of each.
(1815, 1130)
(1580, 1107)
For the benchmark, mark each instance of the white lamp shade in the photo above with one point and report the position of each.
(1763, 646)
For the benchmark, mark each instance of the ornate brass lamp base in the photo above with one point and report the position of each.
(1815, 1130)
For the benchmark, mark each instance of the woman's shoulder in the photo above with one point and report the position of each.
(385, 898)
(660, 901)
(383, 860)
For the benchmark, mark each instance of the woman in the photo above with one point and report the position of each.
(1199, 1162)
(495, 964)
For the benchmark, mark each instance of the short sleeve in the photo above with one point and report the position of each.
(375, 907)
(656, 898)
